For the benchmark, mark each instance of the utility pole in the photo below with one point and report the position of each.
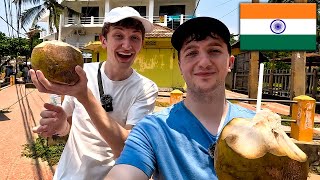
(298, 72)
(253, 72)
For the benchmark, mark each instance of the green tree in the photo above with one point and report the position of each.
(232, 39)
(13, 47)
(9, 46)
(4, 46)
(35, 13)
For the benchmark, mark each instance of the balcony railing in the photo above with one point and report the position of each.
(169, 21)
(162, 20)
(84, 20)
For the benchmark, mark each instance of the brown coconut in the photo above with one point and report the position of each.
(57, 61)
(258, 149)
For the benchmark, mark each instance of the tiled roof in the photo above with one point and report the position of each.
(160, 31)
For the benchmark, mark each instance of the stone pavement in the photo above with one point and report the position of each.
(19, 112)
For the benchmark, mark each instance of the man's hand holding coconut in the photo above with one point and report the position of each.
(57, 69)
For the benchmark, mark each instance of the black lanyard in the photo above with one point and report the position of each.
(106, 100)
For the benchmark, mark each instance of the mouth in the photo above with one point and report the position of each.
(204, 74)
(124, 56)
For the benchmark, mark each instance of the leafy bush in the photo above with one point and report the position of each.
(162, 104)
(40, 149)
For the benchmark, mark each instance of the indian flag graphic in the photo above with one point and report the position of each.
(278, 26)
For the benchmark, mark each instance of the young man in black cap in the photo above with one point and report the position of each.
(174, 143)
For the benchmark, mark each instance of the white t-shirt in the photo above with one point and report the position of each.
(86, 154)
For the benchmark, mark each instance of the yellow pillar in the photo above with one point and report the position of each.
(12, 80)
(303, 111)
(176, 96)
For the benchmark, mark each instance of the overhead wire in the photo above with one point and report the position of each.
(195, 9)
(223, 3)
(228, 13)
(10, 25)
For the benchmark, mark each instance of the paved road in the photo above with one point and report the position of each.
(21, 112)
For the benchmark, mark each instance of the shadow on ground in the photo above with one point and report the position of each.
(28, 120)
(3, 117)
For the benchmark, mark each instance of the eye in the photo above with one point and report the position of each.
(135, 38)
(214, 51)
(192, 53)
(118, 36)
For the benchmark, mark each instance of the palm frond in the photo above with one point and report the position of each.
(38, 16)
(28, 15)
(26, 1)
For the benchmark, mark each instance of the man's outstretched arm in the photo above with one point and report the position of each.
(109, 129)
(126, 172)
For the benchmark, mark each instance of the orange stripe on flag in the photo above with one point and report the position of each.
(278, 11)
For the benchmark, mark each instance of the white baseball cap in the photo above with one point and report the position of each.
(119, 13)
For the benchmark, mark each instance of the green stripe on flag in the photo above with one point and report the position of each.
(278, 42)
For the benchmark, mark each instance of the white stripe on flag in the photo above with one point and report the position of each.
(293, 26)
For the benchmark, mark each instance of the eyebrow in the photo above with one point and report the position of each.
(215, 44)
(194, 46)
(189, 47)
(122, 28)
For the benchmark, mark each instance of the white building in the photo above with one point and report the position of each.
(79, 31)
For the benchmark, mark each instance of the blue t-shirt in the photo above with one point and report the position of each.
(173, 144)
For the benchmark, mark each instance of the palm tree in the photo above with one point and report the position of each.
(35, 13)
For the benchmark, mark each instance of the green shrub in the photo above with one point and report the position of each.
(162, 104)
(41, 149)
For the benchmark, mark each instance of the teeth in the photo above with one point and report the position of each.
(126, 54)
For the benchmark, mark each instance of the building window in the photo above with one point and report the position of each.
(141, 9)
(173, 13)
(90, 11)
(173, 10)
(96, 38)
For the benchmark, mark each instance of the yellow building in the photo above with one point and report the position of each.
(157, 60)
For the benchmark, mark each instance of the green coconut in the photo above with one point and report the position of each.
(57, 61)
(258, 149)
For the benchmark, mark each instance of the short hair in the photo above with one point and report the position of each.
(126, 23)
(201, 35)
(198, 29)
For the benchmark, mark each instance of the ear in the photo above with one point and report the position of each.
(180, 67)
(103, 41)
(231, 63)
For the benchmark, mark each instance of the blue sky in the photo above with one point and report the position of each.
(225, 10)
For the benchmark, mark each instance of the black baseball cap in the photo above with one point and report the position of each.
(200, 25)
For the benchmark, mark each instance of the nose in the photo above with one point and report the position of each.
(204, 61)
(126, 44)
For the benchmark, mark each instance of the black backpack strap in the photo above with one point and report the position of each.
(100, 80)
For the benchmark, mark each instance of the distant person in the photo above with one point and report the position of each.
(25, 73)
(174, 143)
(109, 99)
(8, 71)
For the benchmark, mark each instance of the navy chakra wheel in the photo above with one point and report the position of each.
(278, 26)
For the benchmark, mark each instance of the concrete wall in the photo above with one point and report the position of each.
(158, 64)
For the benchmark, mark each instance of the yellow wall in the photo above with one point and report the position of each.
(159, 64)
(235, 51)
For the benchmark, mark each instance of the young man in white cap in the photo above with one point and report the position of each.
(109, 99)
(175, 143)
